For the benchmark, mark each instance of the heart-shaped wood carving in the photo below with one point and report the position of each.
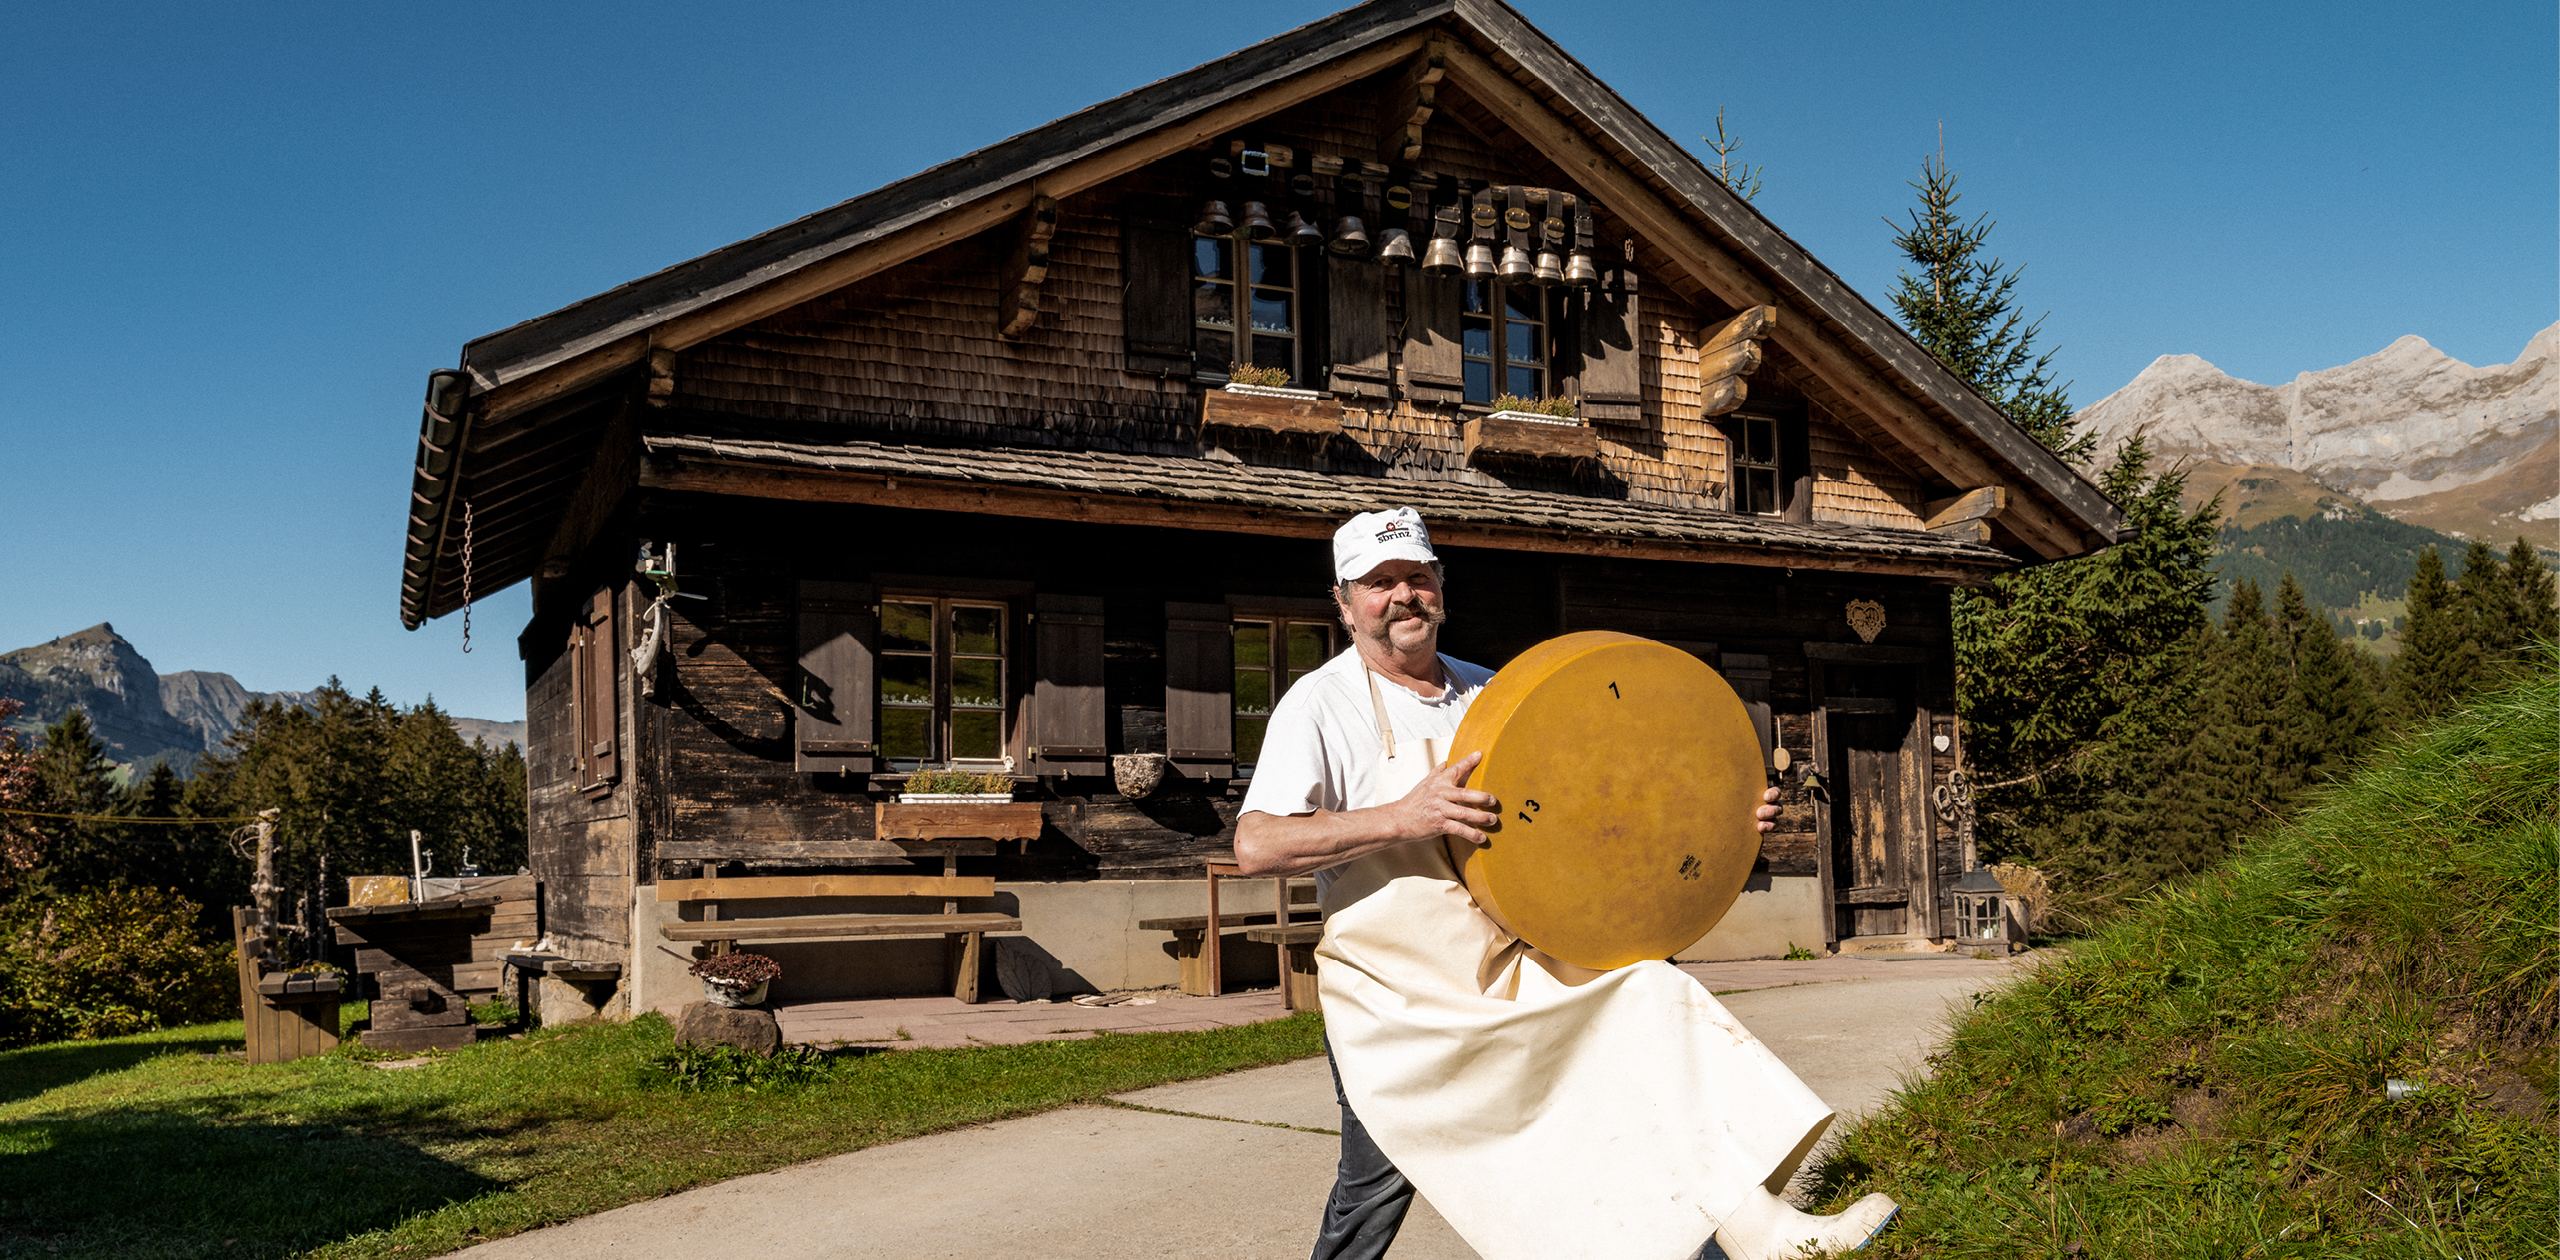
(1867, 618)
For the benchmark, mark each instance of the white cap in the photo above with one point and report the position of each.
(1372, 538)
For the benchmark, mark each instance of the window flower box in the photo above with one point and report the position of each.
(1528, 435)
(987, 818)
(1271, 409)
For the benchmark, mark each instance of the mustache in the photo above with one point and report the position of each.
(1416, 608)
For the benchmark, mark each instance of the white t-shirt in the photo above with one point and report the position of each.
(1320, 751)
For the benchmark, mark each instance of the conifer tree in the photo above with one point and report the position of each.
(2537, 603)
(2438, 652)
(73, 776)
(1962, 307)
(2236, 773)
(2328, 717)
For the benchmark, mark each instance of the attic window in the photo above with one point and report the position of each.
(1503, 337)
(1771, 464)
(1267, 294)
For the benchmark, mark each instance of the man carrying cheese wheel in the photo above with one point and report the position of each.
(1546, 1110)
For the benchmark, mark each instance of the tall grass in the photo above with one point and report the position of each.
(2206, 1078)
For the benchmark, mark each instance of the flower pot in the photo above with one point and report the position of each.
(1532, 417)
(1137, 774)
(721, 993)
(1273, 391)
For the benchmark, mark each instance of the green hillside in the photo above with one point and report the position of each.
(2212, 1075)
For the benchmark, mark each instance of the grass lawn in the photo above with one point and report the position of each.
(144, 1146)
(2208, 1078)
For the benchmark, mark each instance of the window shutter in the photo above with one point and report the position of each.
(1199, 677)
(1357, 293)
(1612, 349)
(603, 729)
(1067, 731)
(1795, 468)
(1155, 304)
(1433, 370)
(832, 715)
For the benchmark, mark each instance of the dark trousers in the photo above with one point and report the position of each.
(1369, 1196)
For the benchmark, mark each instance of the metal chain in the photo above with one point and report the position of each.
(466, 575)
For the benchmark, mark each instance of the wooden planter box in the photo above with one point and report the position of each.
(1500, 434)
(1317, 416)
(1015, 820)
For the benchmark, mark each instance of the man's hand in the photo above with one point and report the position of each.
(1768, 811)
(1442, 805)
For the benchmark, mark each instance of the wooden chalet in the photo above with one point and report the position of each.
(949, 473)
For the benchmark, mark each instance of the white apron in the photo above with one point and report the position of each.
(1547, 1110)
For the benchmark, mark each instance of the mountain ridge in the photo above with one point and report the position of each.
(2423, 437)
(142, 715)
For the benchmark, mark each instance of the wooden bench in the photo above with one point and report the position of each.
(964, 934)
(1297, 942)
(1197, 948)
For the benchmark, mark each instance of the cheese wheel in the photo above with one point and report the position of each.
(1628, 773)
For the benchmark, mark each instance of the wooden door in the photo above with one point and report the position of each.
(1879, 832)
(1871, 741)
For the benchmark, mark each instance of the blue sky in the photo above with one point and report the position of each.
(237, 237)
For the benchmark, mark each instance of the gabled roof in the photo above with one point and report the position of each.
(524, 377)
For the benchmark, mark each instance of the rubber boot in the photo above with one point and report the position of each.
(1764, 1227)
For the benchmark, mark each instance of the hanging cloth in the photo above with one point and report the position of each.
(1546, 1110)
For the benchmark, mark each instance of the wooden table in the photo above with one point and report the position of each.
(412, 951)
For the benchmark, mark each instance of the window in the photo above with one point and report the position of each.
(942, 681)
(1502, 334)
(1267, 292)
(1757, 487)
(594, 712)
(1272, 654)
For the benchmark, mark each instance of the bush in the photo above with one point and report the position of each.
(108, 963)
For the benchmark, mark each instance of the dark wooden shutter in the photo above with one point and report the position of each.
(1433, 370)
(602, 743)
(1357, 300)
(833, 713)
(1067, 731)
(1795, 467)
(1199, 680)
(1155, 296)
(1611, 373)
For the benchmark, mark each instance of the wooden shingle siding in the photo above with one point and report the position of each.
(1854, 486)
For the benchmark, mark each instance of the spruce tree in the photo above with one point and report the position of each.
(2537, 603)
(2239, 772)
(73, 776)
(2329, 717)
(2438, 652)
(1962, 307)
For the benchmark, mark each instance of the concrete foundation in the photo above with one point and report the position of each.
(1772, 915)
(1086, 934)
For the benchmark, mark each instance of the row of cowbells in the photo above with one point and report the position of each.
(1440, 259)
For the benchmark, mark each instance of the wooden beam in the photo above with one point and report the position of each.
(1026, 268)
(1717, 398)
(1968, 531)
(1753, 324)
(1737, 358)
(662, 376)
(816, 485)
(1635, 201)
(1972, 505)
(827, 886)
(1409, 103)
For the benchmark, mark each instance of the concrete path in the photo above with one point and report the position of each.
(1235, 1167)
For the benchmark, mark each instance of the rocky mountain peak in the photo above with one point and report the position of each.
(2412, 430)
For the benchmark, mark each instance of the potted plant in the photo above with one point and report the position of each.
(956, 787)
(1263, 382)
(1536, 410)
(735, 979)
